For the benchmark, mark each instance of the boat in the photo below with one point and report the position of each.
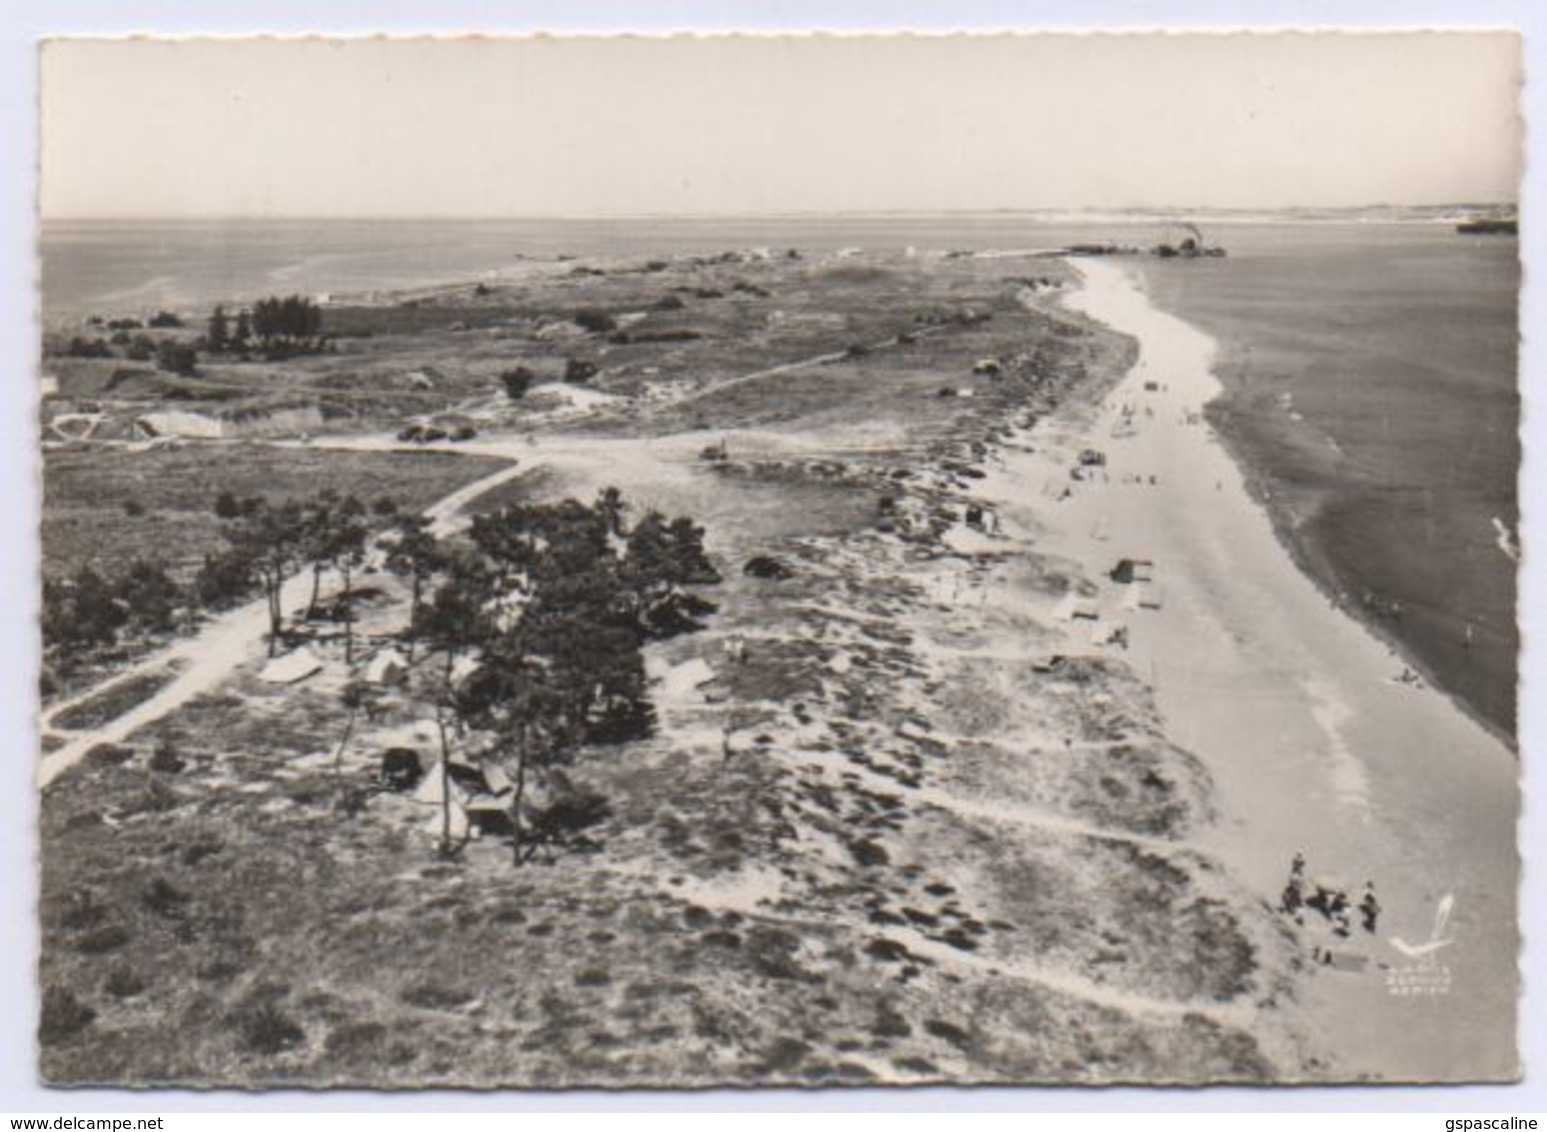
(1489, 226)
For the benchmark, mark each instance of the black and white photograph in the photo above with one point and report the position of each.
(778, 561)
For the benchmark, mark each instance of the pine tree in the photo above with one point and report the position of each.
(241, 334)
(218, 336)
(416, 554)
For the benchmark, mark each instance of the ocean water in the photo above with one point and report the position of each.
(1372, 393)
(1370, 367)
(125, 267)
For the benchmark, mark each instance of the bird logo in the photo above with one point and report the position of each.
(1436, 940)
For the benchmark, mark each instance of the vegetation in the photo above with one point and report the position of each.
(578, 371)
(414, 553)
(293, 319)
(554, 603)
(596, 321)
(275, 327)
(517, 381)
(89, 610)
(176, 357)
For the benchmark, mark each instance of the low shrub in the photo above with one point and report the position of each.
(62, 1016)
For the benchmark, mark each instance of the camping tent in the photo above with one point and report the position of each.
(683, 678)
(1073, 607)
(387, 667)
(291, 668)
(180, 422)
(480, 798)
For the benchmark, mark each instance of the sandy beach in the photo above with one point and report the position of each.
(1313, 742)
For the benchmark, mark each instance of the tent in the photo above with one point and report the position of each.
(480, 799)
(387, 667)
(455, 818)
(291, 668)
(1074, 607)
(489, 815)
(180, 422)
(683, 678)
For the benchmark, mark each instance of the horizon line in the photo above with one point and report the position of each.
(779, 214)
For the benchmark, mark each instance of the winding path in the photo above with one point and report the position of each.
(208, 658)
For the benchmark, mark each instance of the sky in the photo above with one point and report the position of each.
(627, 126)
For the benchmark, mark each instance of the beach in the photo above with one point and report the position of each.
(1369, 390)
(1313, 742)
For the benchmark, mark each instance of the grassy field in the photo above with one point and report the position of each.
(108, 506)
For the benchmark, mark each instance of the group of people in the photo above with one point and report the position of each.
(1328, 899)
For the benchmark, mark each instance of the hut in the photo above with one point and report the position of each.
(1130, 570)
(387, 667)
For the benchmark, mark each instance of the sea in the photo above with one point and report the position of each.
(1369, 365)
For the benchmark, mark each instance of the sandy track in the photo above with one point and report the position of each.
(209, 657)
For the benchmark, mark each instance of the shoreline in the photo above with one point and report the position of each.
(1288, 701)
(1350, 513)
(1304, 555)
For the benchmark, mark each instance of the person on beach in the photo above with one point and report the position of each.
(1293, 898)
(1369, 907)
(1337, 911)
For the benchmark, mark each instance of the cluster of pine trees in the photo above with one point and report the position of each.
(533, 624)
(272, 326)
(531, 627)
(549, 606)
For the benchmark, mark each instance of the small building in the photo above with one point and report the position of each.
(387, 667)
(1130, 570)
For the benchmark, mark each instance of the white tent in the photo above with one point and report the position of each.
(684, 677)
(430, 790)
(498, 781)
(180, 422)
(387, 667)
(291, 668)
(455, 818)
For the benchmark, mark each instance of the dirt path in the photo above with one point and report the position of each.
(209, 657)
(648, 468)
